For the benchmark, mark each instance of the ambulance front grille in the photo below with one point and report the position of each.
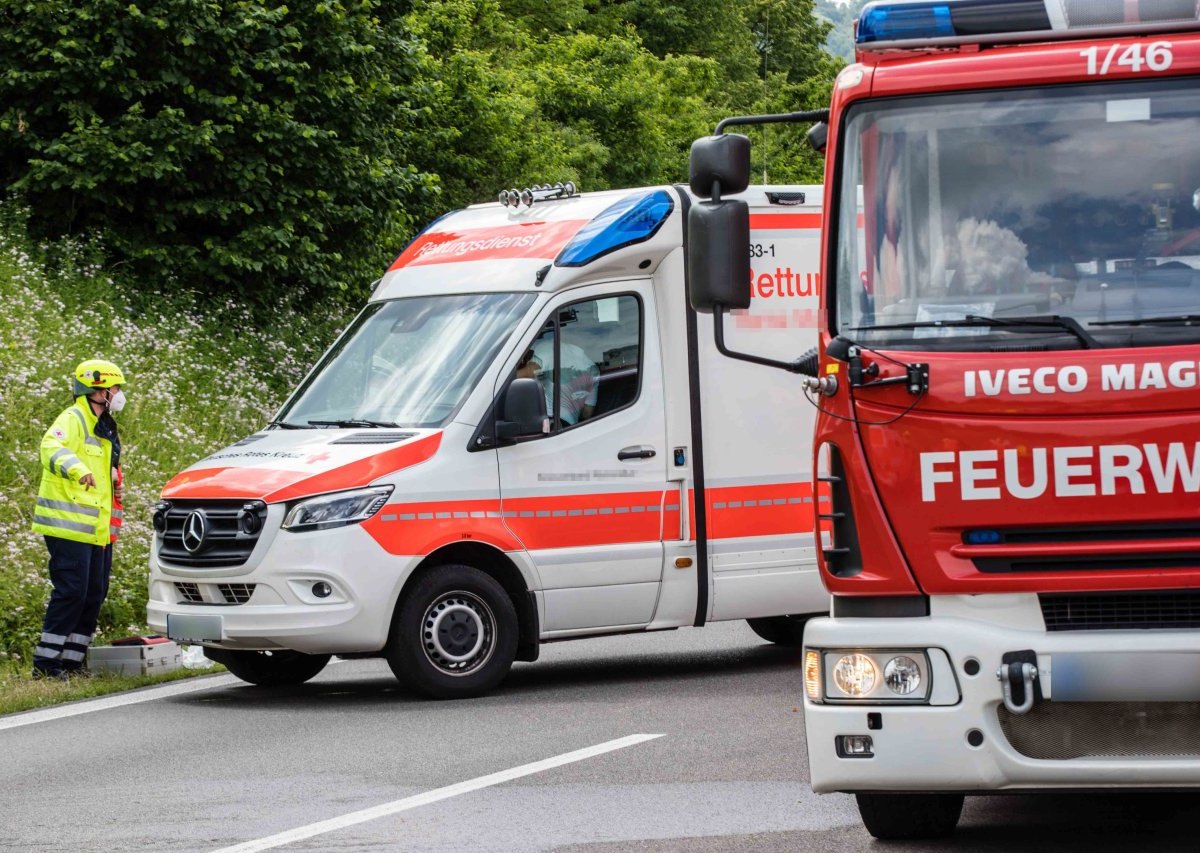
(224, 543)
(215, 593)
(1062, 731)
(236, 593)
(1121, 611)
(190, 592)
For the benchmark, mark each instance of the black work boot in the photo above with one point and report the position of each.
(54, 673)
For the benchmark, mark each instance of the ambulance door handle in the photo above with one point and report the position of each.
(639, 451)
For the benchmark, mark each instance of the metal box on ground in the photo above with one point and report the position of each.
(149, 659)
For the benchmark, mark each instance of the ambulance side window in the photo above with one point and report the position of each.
(588, 359)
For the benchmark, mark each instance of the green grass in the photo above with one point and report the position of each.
(19, 692)
(200, 375)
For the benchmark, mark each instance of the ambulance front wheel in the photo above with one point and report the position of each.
(894, 817)
(454, 634)
(780, 630)
(280, 668)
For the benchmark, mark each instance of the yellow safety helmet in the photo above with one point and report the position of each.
(96, 373)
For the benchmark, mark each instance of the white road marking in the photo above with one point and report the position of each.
(149, 694)
(436, 795)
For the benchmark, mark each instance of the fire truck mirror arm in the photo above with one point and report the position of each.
(841, 348)
(806, 365)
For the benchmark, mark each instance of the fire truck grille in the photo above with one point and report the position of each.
(214, 593)
(1060, 731)
(222, 542)
(1121, 611)
(1184, 533)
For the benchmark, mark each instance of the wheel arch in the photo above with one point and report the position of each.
(497, 564)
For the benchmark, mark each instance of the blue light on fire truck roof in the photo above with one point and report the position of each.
(893, 21)
(631, 220)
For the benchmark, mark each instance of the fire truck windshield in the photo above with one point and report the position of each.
(1077, 202)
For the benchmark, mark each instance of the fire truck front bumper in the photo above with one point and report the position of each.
(920, 705)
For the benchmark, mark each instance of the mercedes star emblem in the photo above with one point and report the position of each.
(195, 527)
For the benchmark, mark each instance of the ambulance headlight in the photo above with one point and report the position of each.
(337, 509)
(883, 676)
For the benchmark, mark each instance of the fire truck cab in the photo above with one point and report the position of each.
(509, 446)
(1009, 431)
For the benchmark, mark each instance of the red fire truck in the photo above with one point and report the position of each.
(1008, 445)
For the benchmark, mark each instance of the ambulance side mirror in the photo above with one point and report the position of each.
(524, 411)
(719, 230)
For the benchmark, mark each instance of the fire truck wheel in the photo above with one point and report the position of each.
(780, 630)
(454, 635)
(280, 668)
(901, 816)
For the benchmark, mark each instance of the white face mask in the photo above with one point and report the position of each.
(117, 402)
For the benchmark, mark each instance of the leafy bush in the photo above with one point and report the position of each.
(196, 382)
(608, 94)
(243, 146)
(253, 148)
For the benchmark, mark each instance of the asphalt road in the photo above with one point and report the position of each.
(226, 765)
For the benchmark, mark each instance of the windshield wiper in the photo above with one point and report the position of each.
(1068, 324)
(352, 422)
(1178, 319)
(286, 425)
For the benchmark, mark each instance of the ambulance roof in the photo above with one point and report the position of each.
(498, 247)
(550, 245)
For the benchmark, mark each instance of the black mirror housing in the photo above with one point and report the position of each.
(724, 160)
(818, 137)
(719, 255)
(524, 411)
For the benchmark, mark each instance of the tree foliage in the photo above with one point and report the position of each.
(250, 146)
(841, 16)
(221, 144)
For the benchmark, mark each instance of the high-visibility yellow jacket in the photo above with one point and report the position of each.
(70, 450)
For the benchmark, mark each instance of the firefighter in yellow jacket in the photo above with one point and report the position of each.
(75, 514)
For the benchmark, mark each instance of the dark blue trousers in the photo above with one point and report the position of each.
(79, 573)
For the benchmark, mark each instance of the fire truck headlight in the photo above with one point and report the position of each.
(854, 675)
(884, 676)
(902, 675)
(812, 674)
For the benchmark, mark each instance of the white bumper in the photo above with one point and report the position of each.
(926, 747)
(282, 612)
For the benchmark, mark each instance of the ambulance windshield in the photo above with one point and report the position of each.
(407, 362)
(972, 221)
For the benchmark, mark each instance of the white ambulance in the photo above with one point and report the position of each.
(526, 435)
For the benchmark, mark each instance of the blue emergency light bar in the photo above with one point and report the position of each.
(631, 220)
(915, 23)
